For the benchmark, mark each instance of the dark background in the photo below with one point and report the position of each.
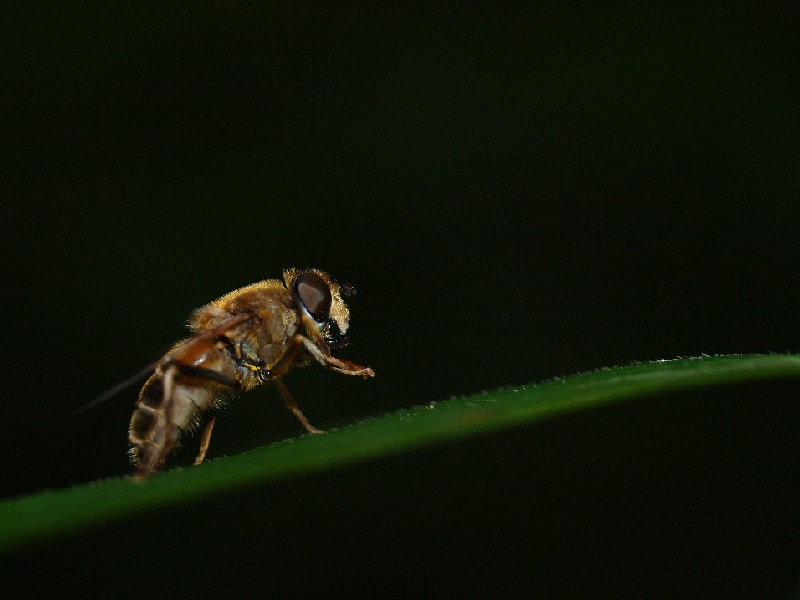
(517, 193)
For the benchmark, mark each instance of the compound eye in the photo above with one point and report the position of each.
(314, 293)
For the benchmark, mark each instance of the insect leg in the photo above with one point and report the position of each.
(292, 406)
(331, 362)
(326, 359)
(205, 437)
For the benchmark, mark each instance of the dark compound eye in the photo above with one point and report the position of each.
(315, 295)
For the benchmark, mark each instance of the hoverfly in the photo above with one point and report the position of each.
(250, 336)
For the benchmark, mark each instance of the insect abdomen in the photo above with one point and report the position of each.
(158, 420)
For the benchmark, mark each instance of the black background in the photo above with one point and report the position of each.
(517, 193)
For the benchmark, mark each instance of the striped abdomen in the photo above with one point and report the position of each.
(186, 382)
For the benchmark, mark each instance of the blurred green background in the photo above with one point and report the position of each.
(517, 192)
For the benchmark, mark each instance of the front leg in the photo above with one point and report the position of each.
(293, 349)
(331, 362)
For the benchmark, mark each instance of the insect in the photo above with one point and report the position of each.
(250, 336)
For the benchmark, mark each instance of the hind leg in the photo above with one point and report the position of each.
(205, 438)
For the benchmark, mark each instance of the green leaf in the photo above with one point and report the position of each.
(54, 512)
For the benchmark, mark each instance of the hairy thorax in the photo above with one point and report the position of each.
(272, 320)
